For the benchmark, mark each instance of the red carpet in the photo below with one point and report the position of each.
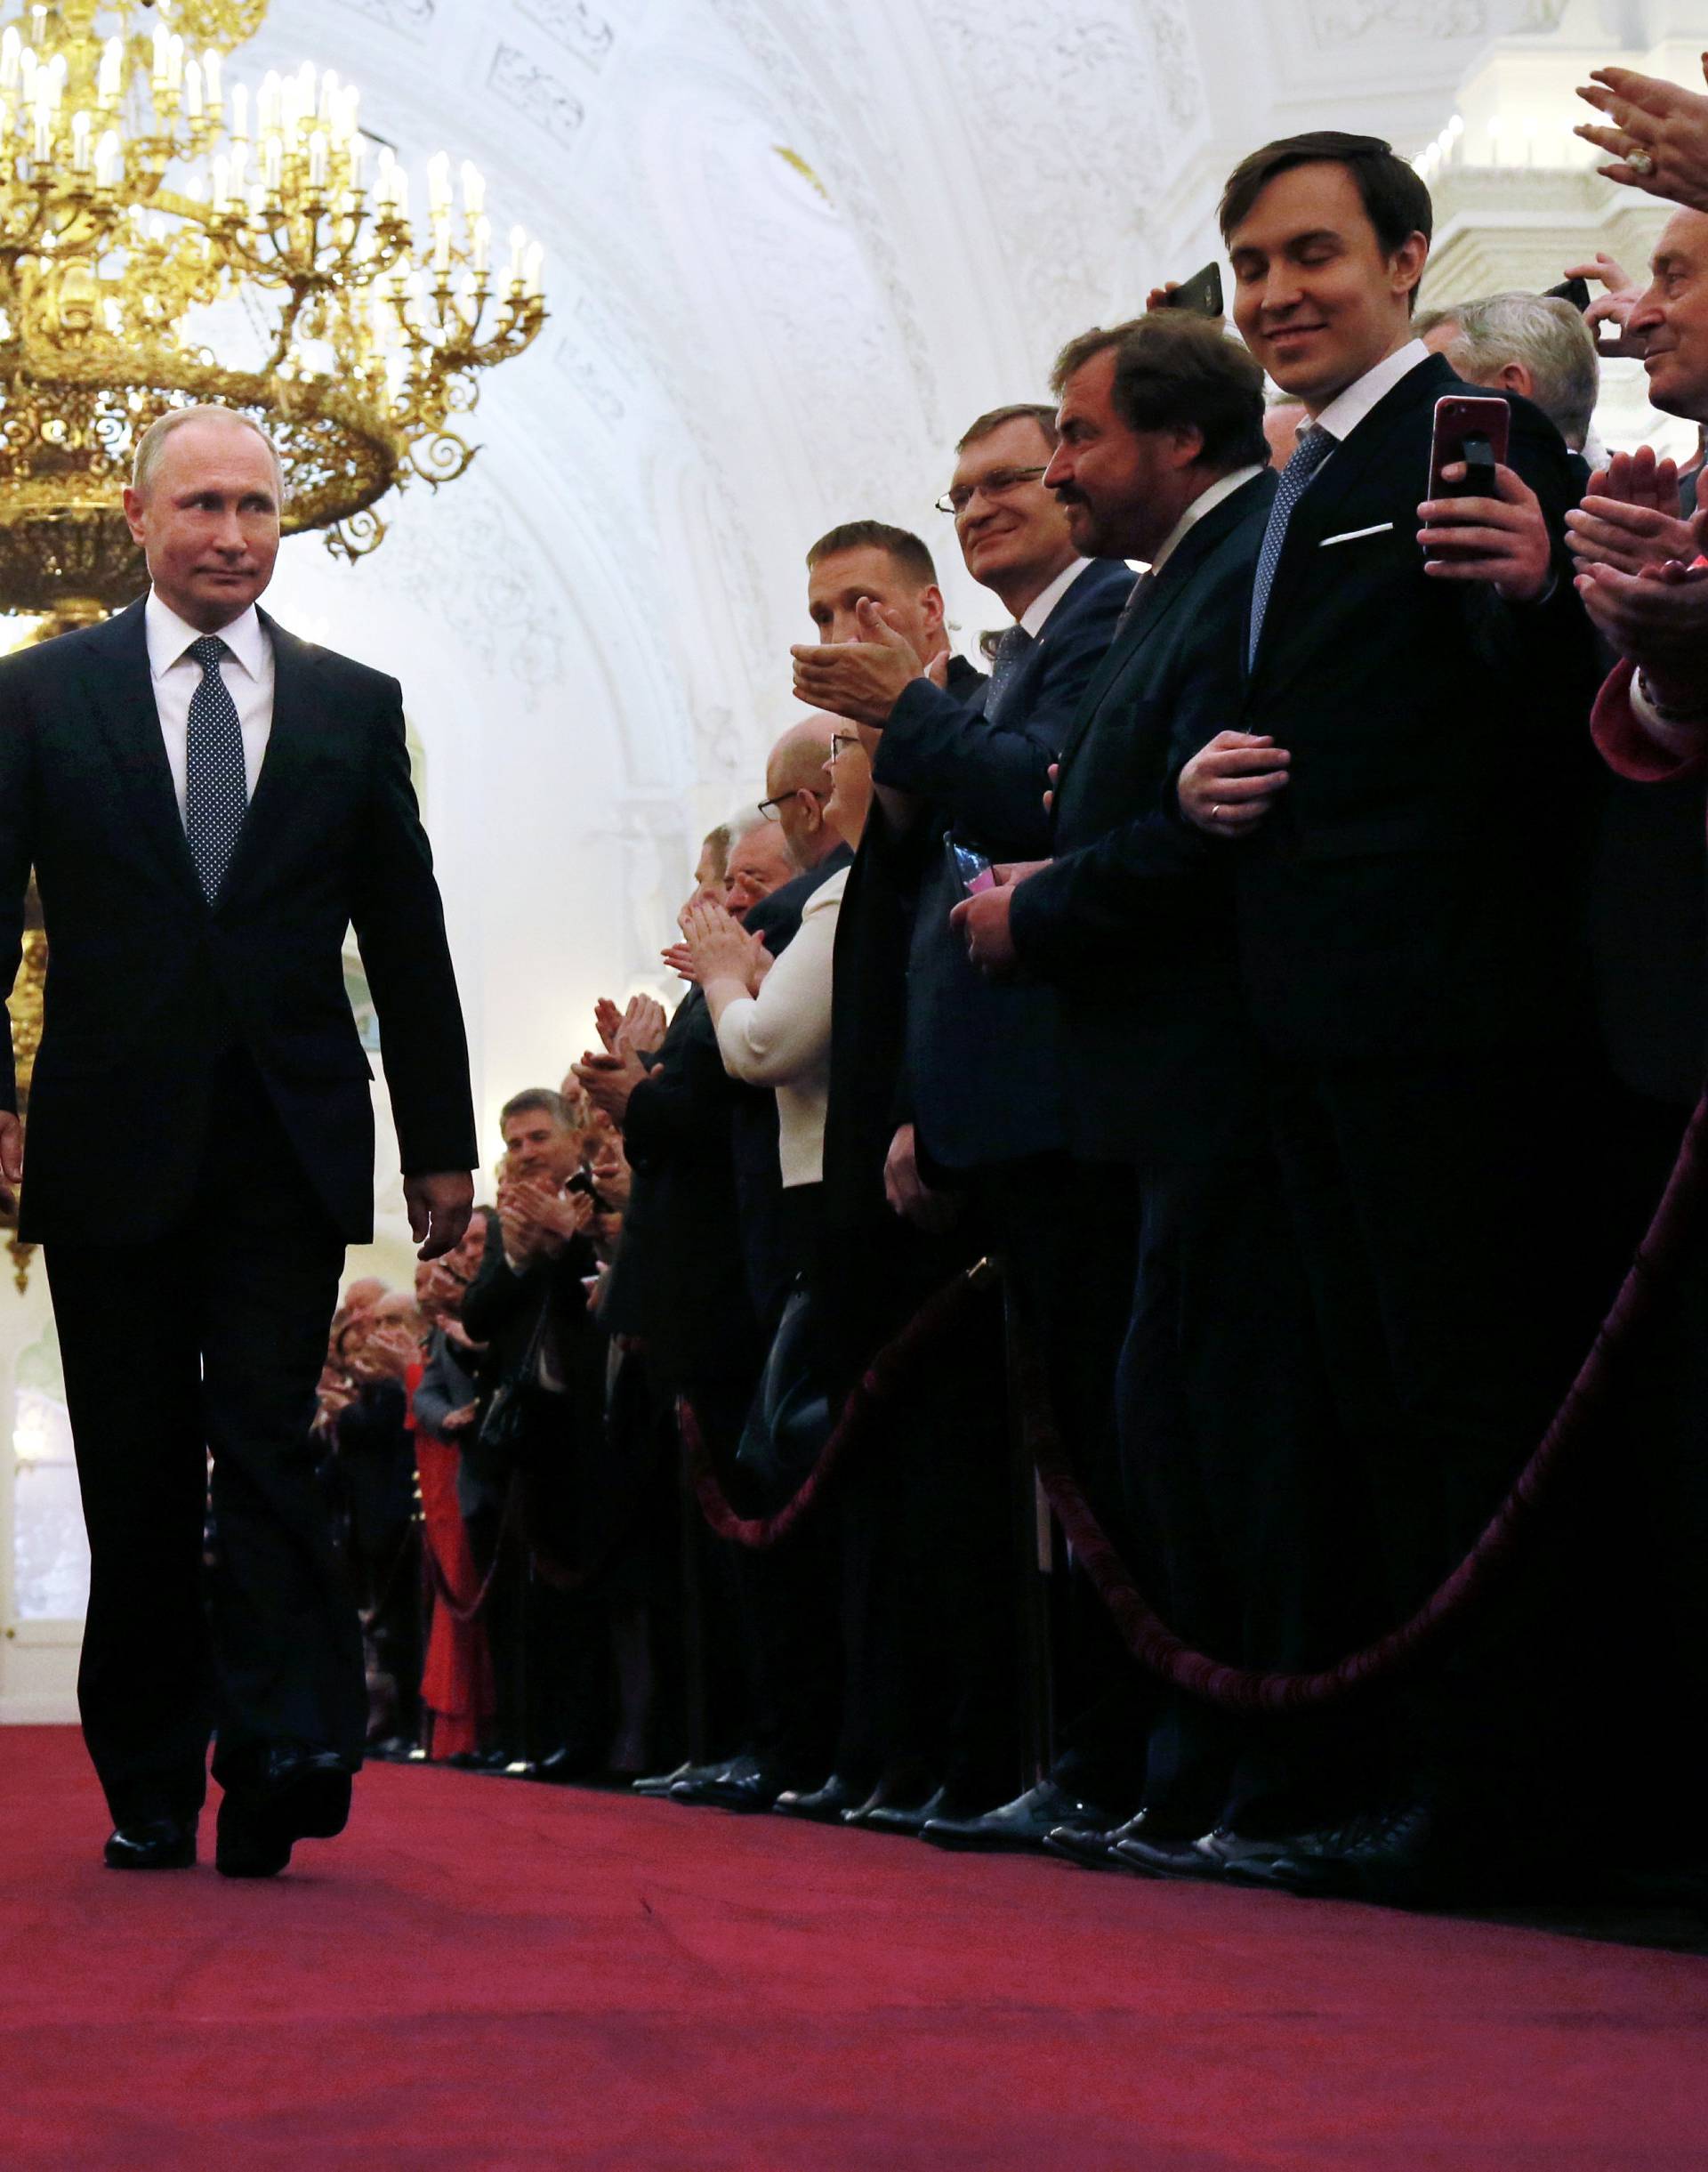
(486, 1974)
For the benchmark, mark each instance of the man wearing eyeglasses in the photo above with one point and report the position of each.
(980, 1075)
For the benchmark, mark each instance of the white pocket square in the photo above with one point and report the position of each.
(1354, 534)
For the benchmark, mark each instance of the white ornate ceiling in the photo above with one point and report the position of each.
(793, 246)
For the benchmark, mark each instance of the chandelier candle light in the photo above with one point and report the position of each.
(167, 236)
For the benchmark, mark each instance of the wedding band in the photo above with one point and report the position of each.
(1640, 162)
(1215, 812)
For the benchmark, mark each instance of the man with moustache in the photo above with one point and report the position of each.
(1161, 458)
(209, 805)
(1404, 808)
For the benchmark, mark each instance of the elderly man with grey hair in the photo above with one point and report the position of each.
(1536, 345)
(208, 804)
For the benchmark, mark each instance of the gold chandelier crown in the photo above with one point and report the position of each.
(168, 235)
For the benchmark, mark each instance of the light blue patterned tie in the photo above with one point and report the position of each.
(215, 791)
(1312, 447)
(1010, 654)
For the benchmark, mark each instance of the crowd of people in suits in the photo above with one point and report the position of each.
(1288, 961)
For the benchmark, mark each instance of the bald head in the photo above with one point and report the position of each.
(797, 786)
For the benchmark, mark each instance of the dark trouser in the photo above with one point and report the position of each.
(208, 1342)
(1248, 1538)
(1453, 1230)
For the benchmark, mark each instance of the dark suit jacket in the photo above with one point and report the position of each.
(1417, 886)
(150, 988)
(868, 1018)
(1134, 919)
(678, 1279)
(981, 1082)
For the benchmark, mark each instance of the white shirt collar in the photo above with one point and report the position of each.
(1343, 414)
(169, 636)
(1205, 502)
(1032, 617)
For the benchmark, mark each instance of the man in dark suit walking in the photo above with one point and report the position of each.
(1406, 807)
(208, 803)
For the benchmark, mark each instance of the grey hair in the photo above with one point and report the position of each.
(1544, 333)
(151, 445)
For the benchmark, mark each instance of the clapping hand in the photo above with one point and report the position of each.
(609, 1080)
(720, 949)
(1506, 533)
(1659, 619)
(1629, 518)
(1658, 139)
(612, 1174)
(862, 679)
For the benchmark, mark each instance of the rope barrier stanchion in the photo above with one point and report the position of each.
(1157, 1647)
(876, 1386)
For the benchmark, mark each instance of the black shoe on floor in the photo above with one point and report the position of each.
(155, 1843)
(569, 1761)
(661, 1783)
(1019, 1827)
(824, 1806)
(288, 1796)
(745, 1784)
(1397, 1858)
(1218, 1853)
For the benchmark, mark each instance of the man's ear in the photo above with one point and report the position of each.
(1407, 263)
(133, 513)
(932, 603)
(1515, 377)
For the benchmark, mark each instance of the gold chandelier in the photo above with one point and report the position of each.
(167, 235)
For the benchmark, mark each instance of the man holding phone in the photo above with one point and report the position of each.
(1405, 799)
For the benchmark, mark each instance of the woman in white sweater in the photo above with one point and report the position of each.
(773, 1015)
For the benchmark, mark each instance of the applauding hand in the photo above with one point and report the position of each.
(1658, 136)
(1630, 519)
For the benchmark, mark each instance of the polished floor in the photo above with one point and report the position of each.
(486, 1973)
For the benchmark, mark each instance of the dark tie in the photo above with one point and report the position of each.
(214, 793)
(1010, 654)
(1136, 595)
(1314, 445)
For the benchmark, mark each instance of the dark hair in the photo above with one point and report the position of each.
(1176, 370)
(1395, 199)
(993, 419)
(908, 553)
(538, 1097)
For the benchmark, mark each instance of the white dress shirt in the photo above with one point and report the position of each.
(781, 1036)
(1033, 618)
(247, 669)
(1205, 502)
(1343, 414)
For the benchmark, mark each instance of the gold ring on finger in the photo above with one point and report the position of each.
(1641, 162)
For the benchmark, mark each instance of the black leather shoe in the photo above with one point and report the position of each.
(1212, 1855)
(288, 1796)
(904, 1788)
(745, 1783)
(158, 1844)
(1399, 1858)
(1093, 1846)
(1019, 1827)
(823, 1805)
(661, 1783)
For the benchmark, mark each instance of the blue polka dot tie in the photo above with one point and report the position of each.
(215, 796)
(1010, 654)
(1312, 446)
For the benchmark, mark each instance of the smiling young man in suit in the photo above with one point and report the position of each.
(1405, 810)
(208, 804)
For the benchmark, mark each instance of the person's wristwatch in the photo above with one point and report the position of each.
(1673, 713)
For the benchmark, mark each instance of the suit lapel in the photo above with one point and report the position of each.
(1161, 594)
(1316, 513)
(120, 689)
(295, 718)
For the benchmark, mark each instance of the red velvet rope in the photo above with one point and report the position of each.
(1157, 1647)
(1147, 1636)
(876, 1386)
